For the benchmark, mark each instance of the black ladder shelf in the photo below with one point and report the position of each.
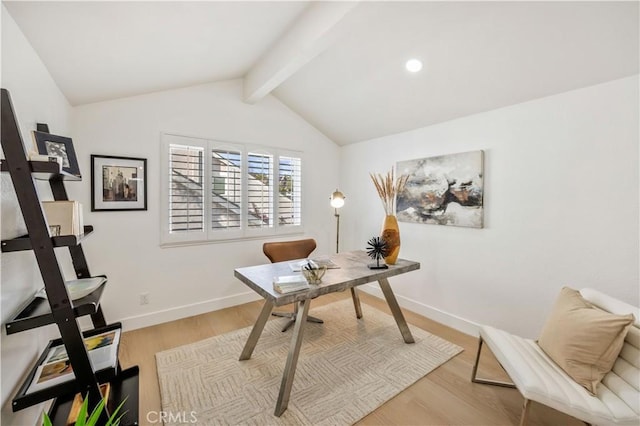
(58, 307)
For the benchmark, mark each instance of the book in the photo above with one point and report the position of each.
(47, 158)
(78, 288)
(105, 388)
(289, 289)
(56, 367)
(316, 263)
(63, 217)
(290, 283)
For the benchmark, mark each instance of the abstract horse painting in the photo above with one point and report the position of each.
(443, 190)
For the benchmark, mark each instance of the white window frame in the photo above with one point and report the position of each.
(209, 235)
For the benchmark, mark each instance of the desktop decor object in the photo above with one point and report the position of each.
(388, 187)
(443, 190)
(337, 201)
(377, 249)
(313, 273)
(58, 146)
(118, 183)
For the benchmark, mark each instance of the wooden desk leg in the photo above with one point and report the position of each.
(292, 358)
(356, 302)
(395, 310)
(256, 331)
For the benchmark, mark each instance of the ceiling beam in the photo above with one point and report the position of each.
(311, 34)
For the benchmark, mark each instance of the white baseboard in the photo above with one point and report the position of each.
(172, 314)
(461, 324)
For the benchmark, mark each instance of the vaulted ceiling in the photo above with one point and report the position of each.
(340, 65)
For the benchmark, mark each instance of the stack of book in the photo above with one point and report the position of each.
(290, 283)
(63, 217)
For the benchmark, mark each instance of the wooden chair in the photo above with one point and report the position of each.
(291, 250)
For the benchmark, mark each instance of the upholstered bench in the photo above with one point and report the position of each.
(538, 378)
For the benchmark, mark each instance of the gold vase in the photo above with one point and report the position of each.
(391, 235)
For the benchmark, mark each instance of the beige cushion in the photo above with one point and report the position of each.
(582, 339)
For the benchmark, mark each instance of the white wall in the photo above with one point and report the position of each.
(561, 204)
(184, 281)
(181, 281)
(36, 98)
(561, 208)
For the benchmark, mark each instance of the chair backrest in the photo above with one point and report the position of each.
(289, 250)
(624, 379)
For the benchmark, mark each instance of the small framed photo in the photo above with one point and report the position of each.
(118, 183)
(59, 146)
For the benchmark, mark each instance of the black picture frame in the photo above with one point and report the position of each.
(61, 146)
(118, 183)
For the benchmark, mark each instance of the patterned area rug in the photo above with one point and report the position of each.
(347, 368)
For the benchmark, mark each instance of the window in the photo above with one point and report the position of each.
(260, 190)
(226, 191)
(218, 191)
(289, 191)
(186, 188)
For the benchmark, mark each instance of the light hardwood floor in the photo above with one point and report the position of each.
(446, 396)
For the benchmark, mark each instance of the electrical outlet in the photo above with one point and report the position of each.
(144, 298)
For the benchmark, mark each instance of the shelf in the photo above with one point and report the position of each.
(44, 170)
(24, 399)
(23, 242)
(37, 312)
(124, 385)
(58, 308)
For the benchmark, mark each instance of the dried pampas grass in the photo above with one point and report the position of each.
(388, 188)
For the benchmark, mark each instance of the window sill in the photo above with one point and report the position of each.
(298, 231)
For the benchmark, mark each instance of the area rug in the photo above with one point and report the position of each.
(347, 368)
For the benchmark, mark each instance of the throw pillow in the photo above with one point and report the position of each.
(582, 339)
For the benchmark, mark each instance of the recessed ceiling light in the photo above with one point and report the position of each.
(414, 65)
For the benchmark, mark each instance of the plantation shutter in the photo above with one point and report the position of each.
(226, 189)
(289, 191)
(214, 190)
(186, 189)
(259, 190)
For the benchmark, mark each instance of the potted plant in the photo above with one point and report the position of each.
(92, 419)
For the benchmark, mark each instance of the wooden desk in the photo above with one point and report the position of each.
(353, 272)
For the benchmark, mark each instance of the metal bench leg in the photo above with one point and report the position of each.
(474, 372)
(525, 411)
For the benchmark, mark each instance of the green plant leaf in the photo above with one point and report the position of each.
(116, 421)
(94, 418)
(46, 421)
(82, 414)
(95, 414)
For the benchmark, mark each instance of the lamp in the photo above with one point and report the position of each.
(337, 201)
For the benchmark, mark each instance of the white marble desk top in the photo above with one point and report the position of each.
(353, 272)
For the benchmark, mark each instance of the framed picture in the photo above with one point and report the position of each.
(443, 190)
(118, 183)
(60, 146)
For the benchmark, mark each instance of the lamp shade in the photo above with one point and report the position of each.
(337, 199)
